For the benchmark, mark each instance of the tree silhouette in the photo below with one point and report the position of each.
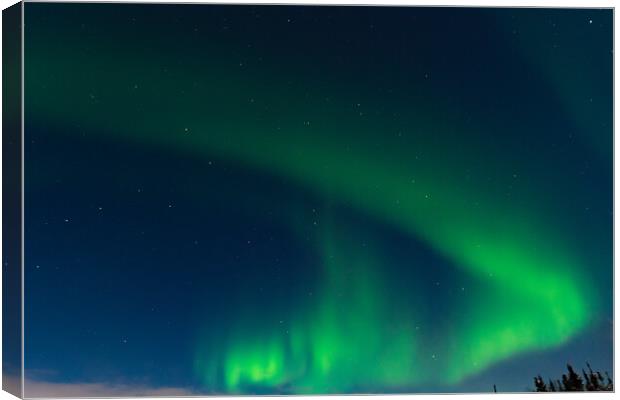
(540, 384)
(573, 382)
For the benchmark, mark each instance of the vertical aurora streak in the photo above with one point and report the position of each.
(321, 351)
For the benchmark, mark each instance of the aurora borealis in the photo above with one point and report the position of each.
(312, 200)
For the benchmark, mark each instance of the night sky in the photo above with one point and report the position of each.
(309, 200)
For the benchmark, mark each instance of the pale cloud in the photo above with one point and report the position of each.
(45, 389)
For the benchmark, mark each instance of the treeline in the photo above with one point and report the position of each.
(573, 382)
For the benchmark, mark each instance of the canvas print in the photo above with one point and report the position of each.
(291, 200)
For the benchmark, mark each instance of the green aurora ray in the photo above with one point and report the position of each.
(522, 259)
(323, 349)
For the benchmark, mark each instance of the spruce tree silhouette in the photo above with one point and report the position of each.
(540, 384)
(573, 382)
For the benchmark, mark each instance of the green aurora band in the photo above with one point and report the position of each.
(521, 259)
